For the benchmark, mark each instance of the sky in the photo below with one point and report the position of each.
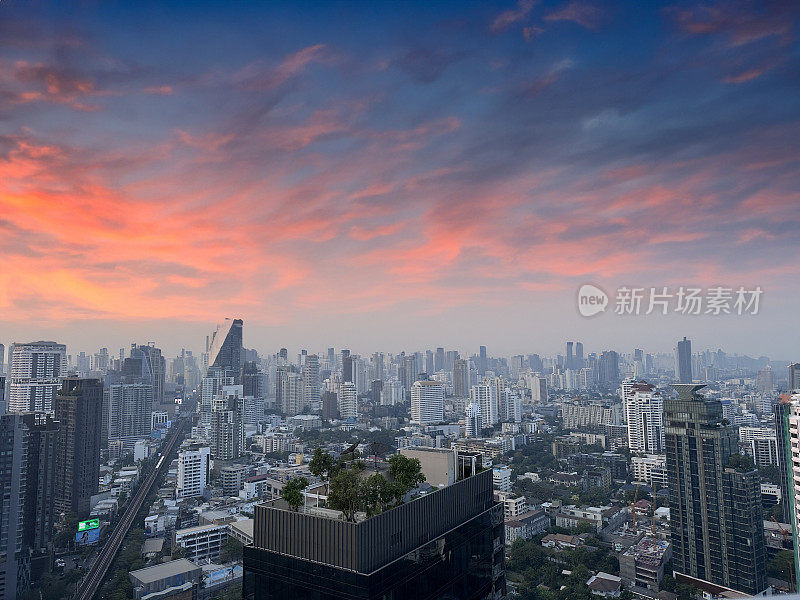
(396, 176)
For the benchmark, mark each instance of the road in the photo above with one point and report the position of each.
(94, 578)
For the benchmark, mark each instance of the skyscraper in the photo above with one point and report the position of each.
(461, 378)
(41, 446)
(215, 379)
(782, 413)
(483, 361)
(716, 523)
(644, 408)
(439, 362)
(311, 382)
(348, 400)
(411, 372)
(226, 349)
(568, 363)
(147, 363)
(683, 361)
(78, 409)
(578, 355)
(193, 471)
(227, 424)
(474, 420)
(35, 369)
(291, 400)
(608, 367)
(794, 377)
(14, 561)
(427, 402)
(788, 431)
(485, 395)
(130, 410)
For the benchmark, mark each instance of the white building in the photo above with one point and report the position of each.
(501, 479)
(193, 472)
(485, 395)
(348, 400)
(427, 402)
(474, 420)
(650, 469)
(645, 415)
(511, 406)
(202, 543)
(33, 380)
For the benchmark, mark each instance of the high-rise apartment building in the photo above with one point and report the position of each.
(147, 363)
(348, 400)
(130, 410)
(215, 379)
(14, 558)
(227, 424)
(311, 382)
(716, 523)
(194, 468)
(683, 361)
(644, 408)
(794, 377)
(410, 373)
(474, 420)
(41, 447)
(785, 458)
(34, 377)
(78, 409)
(485, 395)
(439, 360)
(510, 406)
(608, 369)
(292, 393)
(427, 402)
(461, 378)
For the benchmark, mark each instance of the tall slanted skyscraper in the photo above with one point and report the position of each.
(716, 523)
(225, 349)
(78, 408)
(683, 361)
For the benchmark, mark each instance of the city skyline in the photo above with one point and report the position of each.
(461, 171)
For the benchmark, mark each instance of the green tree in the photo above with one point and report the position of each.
(378, 494)
(322, 463)
(782, 565)
(406, 474)
(292, 492)
(232, 551)
(345, 493)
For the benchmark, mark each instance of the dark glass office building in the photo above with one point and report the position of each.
(447, 545)
(716, 523)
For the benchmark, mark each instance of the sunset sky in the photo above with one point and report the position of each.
(394, 176)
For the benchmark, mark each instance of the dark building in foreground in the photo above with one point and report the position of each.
(716, 524)
(447, 544)
(78, 407)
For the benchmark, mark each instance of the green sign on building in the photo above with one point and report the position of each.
(90, 524)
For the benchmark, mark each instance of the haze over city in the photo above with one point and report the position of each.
(395, 177)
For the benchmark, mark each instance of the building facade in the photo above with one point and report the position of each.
(78, 409)
(447, 544)
(34, 377)
(716, 525)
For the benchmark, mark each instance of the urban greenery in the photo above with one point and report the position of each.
(292, 492)
(351, 490)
